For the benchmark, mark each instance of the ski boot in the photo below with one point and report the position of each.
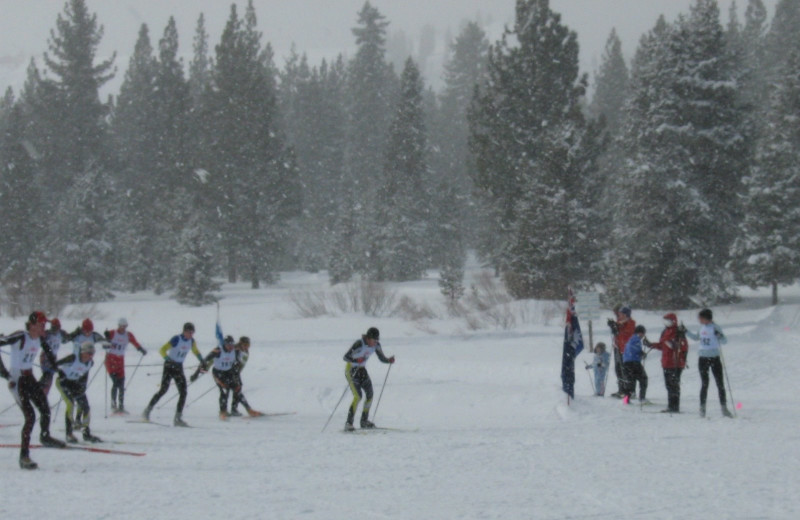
(49, 442)
(122, 411)
(348, 427)
(223, 415)
(146, 414)
(254, 413)
(726, 413)
(366, 423)
(179, 422)
(235, 413)
(88, 437)
(617, 395)
(702, 410)
(114, 408)
(72, 439)
(26, 463)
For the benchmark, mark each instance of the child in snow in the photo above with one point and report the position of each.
(600, 364)
(674, 348)
(632, 364)
(711, 340)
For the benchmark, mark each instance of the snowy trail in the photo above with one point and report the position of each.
(495, 438)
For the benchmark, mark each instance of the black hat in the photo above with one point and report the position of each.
(229, 340)
(640, 330)
(244, 340)
(373, 333)
(188, 326)
(707, 314)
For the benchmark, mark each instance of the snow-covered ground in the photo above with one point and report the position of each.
(493, 437)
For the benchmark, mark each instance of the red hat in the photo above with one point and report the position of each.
(55, 323)
(37, 317)
(671, 317)
(87, 325)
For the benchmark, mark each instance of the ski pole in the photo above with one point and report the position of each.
(95, 374)
(201, 395)
(335, 408)
(134, 372)
(8, 408)
(728, 381)
(381, 394)
(590, 377)
(105, 400)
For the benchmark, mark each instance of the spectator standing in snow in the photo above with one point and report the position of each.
(115, 362)
(54, 338)
(711, 340)
(674, 348)
(632, 364)
(357, 376)
(622, 330)
(600, 364)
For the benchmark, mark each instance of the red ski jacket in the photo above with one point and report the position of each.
(625, 333)
(673, 351)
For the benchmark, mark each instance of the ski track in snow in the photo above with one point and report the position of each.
(495, 441)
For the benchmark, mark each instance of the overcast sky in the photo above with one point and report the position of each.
(319, 27)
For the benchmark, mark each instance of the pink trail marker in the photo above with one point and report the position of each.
(738, 406)
(626, 399)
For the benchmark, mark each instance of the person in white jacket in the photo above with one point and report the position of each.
(711, 339)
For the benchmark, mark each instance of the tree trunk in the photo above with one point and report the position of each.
(774, 293)
(231, 270)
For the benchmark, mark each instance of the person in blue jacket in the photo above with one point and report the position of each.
(632, 364)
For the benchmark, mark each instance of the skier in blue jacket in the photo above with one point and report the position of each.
(632, 364)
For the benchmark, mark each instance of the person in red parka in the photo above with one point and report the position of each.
(674, 349)
(622, 330)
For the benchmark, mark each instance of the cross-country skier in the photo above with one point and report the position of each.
(632, 365)
(73, 375)
(622, 330)
(674, 348)
(600, 364)
(115, 361)
(711, 340)
(223, 359)
(54, 338)
(83, 334)
(357, 376)
(27, 392)
(242, 355)
(174, 353)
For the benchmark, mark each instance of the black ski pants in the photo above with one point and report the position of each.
(634, 372)
(240, 399)
(672, 380)
(172, 370)
(226, 382)
(28, 393)
(619, 371)
(360, 384)
(715, 364)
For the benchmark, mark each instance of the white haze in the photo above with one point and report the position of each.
(320, 28)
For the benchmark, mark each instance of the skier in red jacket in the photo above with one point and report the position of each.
(674, 349)
(622, 330)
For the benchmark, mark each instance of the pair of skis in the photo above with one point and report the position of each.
(92, 449)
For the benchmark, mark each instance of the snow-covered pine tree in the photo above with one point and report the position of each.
(135, 138)
(528, 136)
(194, 265)
(79, 129)
(611, 85)
(371, 90)
(246, 156)
(200, 66)
(398, 250)
(767, 249)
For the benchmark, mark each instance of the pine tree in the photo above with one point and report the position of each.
(767, 249)
(195, 267)
(531, 142)
(200, 67)
(246, 155)
(398, 251)
(611, 85)
(80, 129)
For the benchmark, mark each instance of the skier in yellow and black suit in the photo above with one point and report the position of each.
(357, 376)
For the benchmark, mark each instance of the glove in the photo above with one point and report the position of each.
(391, 360)
(105, 345)
(646, 342)
(717, 333)
(588, 367)
(143, 351)
(4, 373)
(613, 326)
(193, 377)
(682, 328)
